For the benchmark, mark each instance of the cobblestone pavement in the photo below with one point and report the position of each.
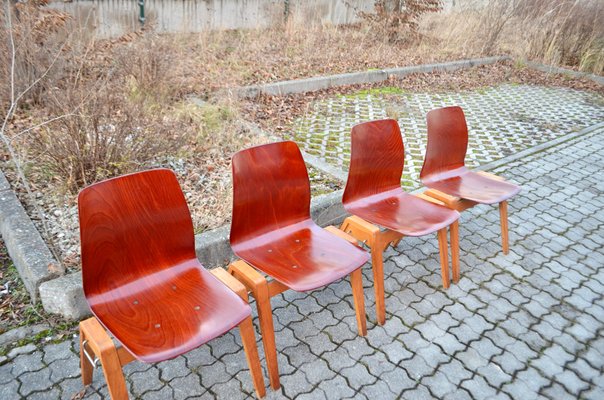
(502, 120)
(522, 326)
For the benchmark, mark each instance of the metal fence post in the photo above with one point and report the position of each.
(141, 11)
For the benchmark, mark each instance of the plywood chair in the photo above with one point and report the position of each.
(445, 174)
(382, 212)
(144, 283)
(273, 234)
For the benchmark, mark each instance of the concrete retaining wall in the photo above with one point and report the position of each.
(324, 82)
(25, 246)
(555, 70)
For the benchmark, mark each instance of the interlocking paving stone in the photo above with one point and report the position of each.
(503, 120)
(188, 386)
(498, 333)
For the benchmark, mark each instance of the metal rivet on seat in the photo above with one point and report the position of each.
(294, 266)
(270, 250)
(173, 287)
(135, 302)
(197, 308)
(297, 240)
(157, 325)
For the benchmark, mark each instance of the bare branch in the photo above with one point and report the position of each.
(13, 54)
(24, 131)
(6, 140)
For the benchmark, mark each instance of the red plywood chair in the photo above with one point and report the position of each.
(144, 283)
(272, 232)
(375, 198)
(445, 173)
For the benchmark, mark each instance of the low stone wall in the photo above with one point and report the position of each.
(550, 69)
(25, 246)
(324, 82)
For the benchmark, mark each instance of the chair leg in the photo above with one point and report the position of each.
(377, 265)
(85, 365)
(246, 330)
(265, 315)
(503, 215)
(103, 347)
(356, 281)
(444, 262)
(454, 229)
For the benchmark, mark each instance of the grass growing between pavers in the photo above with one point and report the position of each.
(16, 308)
(18, 311)
(502, 120)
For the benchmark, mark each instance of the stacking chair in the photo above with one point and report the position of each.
(382, 213)
(272, 232)
(445, 174)
(144, 283)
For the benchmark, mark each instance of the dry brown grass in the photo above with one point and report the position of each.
(567, 33)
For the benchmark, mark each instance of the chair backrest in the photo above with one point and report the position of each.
(271, 190)
(132, 227)
(447, 141)
(377, 159)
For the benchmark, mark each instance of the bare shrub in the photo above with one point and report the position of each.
(102, 108)
(107, 134)
(36, 53)
(558, 32)
(398, 20)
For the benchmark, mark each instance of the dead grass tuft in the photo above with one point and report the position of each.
(568, 33)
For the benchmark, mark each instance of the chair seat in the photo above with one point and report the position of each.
(473, 186)
(170, 312)
(302, 256)
(402, 212)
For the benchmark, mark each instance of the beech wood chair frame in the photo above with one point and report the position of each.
(273, 234)
(263, 289)
(378, 239)
(382, 212)
(459, 204)
(448, 179)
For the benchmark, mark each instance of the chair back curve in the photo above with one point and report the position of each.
(271, 190)
(377, 159)
(131, 228)
(447, 142)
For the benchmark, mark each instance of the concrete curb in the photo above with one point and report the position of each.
(324, 82)
(25, 246)
(539, 148)
(550, 69)
(65, 296)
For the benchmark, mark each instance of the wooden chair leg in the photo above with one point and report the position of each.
(258, 285)
(444, 262)
(265, 315)
(356, 281)
(377, 266)
(246, 330)
(454, 229)
(503, 214)
(85, 365)
(103, 347)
